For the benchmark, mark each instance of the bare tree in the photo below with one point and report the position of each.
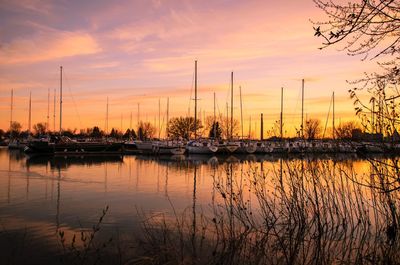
(15, 129)
(40, 128)
(345, 130)
(146, 130)
(312, 129)
(184, 127)
(371, 29)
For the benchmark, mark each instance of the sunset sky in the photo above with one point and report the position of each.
(142, 51)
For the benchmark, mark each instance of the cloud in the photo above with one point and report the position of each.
(43, 7)
(45, 46)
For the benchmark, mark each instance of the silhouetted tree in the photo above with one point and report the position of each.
(96, 133)
(69, 133)
(146, 131)
(130, 134)
(345, 130)
(225, 124)
(312, 129)
(115, 134)
(40, 128)
(215, 131)
(183, 127)
(15, 129)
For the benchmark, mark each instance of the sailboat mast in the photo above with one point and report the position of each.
(231, 133)
(167, 127)
(227, 122)
(250, 128)
(195, 99)
(61, 69)
(138, 115)
(130, 127)
(54, 111)
(281, 127)
(107, 117)
(241, 110)
(48, 110)
(130, 122)
(302, 108)
(122, 130)
(333, 118)
(159, 118)
(30, 112)
(215, 125)
(11, 108)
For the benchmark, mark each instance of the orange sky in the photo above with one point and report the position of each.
(142, 51)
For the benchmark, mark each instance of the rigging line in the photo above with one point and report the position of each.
(219, 112)
(327, 118)
(191, 93)
(72, 97)
(294, 110)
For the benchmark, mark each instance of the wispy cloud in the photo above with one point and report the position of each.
(47, 46)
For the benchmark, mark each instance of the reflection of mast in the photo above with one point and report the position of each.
(105, 177)
(194, 230)
(281, 173)
(166, 181)
(158, 177)
(58, 198)
(231, 223)
(27, 181)
(9, 180)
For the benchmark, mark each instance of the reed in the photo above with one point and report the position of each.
(302, 212)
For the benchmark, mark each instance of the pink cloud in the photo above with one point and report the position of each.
(48, 46)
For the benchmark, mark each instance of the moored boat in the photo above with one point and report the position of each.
(201, 147)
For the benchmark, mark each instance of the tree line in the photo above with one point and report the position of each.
(184, 128)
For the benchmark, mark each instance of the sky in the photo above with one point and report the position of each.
(142, 52)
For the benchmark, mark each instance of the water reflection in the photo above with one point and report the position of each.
(67, 161)
(305, 200)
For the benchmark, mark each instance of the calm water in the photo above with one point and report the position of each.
(39, 196)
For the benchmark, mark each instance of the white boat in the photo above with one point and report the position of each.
(201, 147)
(228, 147)
(168, 148)
(144, 146)
(246, 148)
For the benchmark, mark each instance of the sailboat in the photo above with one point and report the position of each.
(244, 147)
(230, 146)
(167, 147)
(196, 146)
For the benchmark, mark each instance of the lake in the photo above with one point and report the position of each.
(203, 200)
